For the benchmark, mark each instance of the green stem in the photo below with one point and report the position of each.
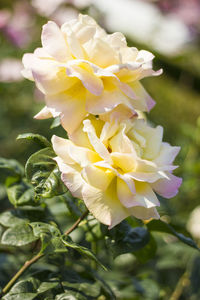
(28, 263)
(94, 250)
(182, 283)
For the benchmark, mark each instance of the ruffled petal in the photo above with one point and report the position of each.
(107, 101)
(70, 105)
(71, 153)
(100, 53)
(167, 154)
(116, 40)
(152, 137)
(121, 143)
(145, 57)
(49, 77)
(71, 177)
(45, 113)
(95, 141)
(167, 187)
(118, 114)
(53, 42)
(125, 195)
(85, 73)
(145, 196)
(126, 162)
(105, 206)
(147, 103)
(61, 148)
(145, 213)
(97, 177)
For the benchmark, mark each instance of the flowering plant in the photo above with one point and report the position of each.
(111, 168)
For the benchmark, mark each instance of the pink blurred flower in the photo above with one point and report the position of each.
(186, 10)
(46, 8)
(10, 70)
(49, 7)
(64, 14)
(17, 26)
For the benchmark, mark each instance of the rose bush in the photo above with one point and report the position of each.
(111, 165)
(81, 69)
(117, 168)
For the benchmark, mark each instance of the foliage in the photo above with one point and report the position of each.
(70, 266)
(149, 273)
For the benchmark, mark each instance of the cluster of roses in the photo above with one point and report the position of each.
(112, 159)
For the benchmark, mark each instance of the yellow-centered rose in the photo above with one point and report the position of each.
(81, 69)
(117, 168)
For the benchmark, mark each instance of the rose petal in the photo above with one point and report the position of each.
(167, 154)
(70, 105)
(45, 113)
(167, 188)
(105, 206)
(145, 213)
(85, 73)
(97, 177)
(53, 42)
(95, 141)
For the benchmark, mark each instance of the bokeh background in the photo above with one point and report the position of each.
(171, 30)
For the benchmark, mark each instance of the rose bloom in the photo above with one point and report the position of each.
(81, 69)
(117, 168)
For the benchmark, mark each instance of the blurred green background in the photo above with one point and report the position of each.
(177, 94)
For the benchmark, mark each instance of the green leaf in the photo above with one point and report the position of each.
(148, 252)
(81, 291)
(18, 216)
(50, 237)
(42, 171)
(160, 226)
(12, 218)
(19, 235)
(21, 193)
(26, 286)
(74, 205)
(86, 285)
(125, 239)
(1, 230)
(55, 123)
(37, 138)
(20, 296)
(82, 250)
(32, 288)
(68, 296)
(10, 168)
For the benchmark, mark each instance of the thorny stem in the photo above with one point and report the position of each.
(28, 263)
(76, 223)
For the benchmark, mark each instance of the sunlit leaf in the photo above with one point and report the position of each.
(50, 236)
(19, 235)
(21, 193)
(37, 138)
(42, 171)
